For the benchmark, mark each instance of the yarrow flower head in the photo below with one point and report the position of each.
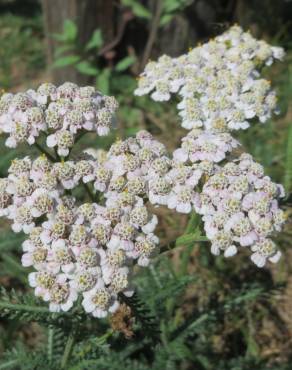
(240, 209)
(63, 110)
(80, 249)
(218, 83)
(83, 250)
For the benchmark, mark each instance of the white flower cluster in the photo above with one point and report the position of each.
(240, 209)
(60, 112)
(218, 83)
(220, 90)
(89, 249)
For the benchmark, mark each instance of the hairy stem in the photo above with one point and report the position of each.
(191, 229)
(23, 307)
(50, 343)
(68, 349)
(26, 308)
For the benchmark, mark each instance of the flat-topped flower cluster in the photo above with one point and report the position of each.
(87, 248)
(218, 83)
(240, 209)
(60, 111)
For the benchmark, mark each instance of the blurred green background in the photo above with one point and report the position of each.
(107, 43)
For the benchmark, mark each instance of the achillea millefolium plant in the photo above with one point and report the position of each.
(83, 250)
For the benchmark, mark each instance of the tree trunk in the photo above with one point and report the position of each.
(88, 15)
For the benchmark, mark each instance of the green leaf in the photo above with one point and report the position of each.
(132, 116)
(171, 5)
(86, 68)
(62, 49)
(193, 326)
(69, 33)
(59, 37)
(170, 8)
(125, 84)
(96, 40)
(70, 30)
(103, 81)
(6, 159)
(193, 223)
(138, 9)
(190, 238)
(125, 63)
(165, 19)
(66, 61)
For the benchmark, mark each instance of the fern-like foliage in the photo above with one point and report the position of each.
(27, 308)
(165, 337)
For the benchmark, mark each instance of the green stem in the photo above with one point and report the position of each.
(185, 258)
(182, 240)
(191, 229)
(67, 351)
(50, 343)
(23, 307)
(192, 224)
(102, 339)
(27, 308)
(42, 150)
